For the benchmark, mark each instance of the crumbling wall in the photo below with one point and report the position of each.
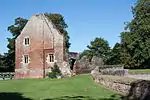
(84, 65)
(131, 89)
(44, 39)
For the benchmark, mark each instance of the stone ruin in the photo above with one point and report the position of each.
(96, 65)
(84, 65)
(65, 70)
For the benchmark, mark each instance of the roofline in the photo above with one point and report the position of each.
(53, 24)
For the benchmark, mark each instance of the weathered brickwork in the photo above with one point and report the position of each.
(44, 39)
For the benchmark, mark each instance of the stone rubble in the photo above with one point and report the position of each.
(85, 66)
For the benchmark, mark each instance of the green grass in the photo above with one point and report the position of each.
(139, 71)
(80, 87)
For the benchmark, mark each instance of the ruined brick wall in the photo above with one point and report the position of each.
(44, 39)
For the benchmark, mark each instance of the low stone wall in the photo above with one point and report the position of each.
(114, 71)
(113, 82)
(132, 89)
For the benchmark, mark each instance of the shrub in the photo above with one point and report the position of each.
(55, 72)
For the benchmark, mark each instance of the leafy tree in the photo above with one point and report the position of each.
(136, 42)
(100, 48)
(2, 61)
(87, 53)
(5, 63)
(115, 55)
(2, 64)
(17, 27)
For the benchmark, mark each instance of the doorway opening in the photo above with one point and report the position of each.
(72, 61)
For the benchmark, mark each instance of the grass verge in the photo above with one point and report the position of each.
(80, 87)
(139, 71)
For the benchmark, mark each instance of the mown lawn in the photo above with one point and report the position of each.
(76, 88)
(139, 71)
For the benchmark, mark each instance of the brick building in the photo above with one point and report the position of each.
(38, 46)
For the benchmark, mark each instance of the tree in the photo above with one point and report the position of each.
(1, 61)
(136, 42)
(87, 53)
(2, 64)
(5, 63)
(115, 55)
(100, 48)
(55, 72)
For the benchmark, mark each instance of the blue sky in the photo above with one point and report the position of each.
(86, 19)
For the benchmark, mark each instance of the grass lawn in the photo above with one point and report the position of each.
(76, 88)
(139, 71)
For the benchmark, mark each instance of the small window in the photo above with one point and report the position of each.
(26, 41)
(26, 59)
(51, 57)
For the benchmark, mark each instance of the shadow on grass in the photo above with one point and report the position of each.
(140, 90)
(113, 97)
(19, 96)
(12, 96)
